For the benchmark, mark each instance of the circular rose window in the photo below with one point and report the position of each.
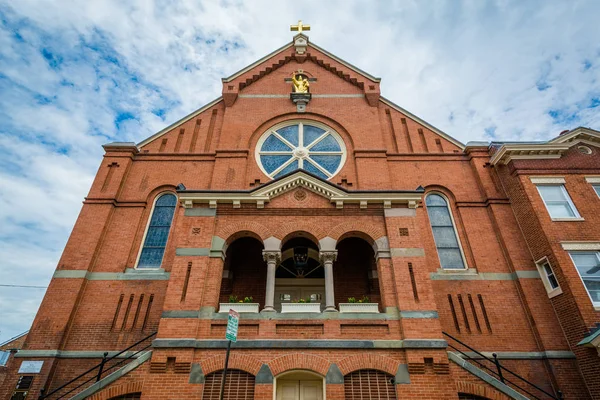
(310, 146)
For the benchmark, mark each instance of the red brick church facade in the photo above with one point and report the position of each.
(304, 202)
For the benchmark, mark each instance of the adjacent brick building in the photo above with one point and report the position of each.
(359, 237)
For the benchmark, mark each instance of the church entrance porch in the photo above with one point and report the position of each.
(299, 385)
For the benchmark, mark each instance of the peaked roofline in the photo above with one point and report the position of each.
(422, 122)
(551, 149)
(310, 44)
(14, 338)
(179, 122)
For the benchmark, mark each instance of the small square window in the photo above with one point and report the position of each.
(557, 201)
(548, 278)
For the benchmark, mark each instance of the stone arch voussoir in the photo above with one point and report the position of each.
(368, 361)
(229, 230)
(236, 361)
(118, 390)
(295, 361)
(480, 390)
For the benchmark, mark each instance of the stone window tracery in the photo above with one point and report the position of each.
(306, 145)
(157, 233)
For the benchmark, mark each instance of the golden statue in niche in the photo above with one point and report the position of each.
(300, 82)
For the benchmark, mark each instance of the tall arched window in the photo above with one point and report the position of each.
(446, 240)
(158, 232)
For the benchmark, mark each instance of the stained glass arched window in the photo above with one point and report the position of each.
(444, 234)
(310, 146)
(157, 234)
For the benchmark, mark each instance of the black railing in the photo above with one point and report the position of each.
(498, 369)
(101, 368)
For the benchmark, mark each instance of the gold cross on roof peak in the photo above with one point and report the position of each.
(299, 27)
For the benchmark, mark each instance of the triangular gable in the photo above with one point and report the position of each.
(578, 135)
(552, 149)
(288, 46)
(368, 84)
(299, 178)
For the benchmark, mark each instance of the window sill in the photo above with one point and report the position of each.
(466, 271)
(578, 219)
(597, 307)
(144, 270)
(554, 292)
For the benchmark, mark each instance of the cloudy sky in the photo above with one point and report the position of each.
(77, 74)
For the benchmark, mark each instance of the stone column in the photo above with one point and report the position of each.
(272, 258)
(327, 258)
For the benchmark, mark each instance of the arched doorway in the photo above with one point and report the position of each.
(299, 385)
(244, 272)
(299, 277)
(355, 271)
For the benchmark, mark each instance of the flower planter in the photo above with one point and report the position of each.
(359, 307)
(239, 307)
(300, 307)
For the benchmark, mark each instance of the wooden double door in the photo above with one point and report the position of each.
(299, 390)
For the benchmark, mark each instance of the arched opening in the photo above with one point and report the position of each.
(239, 385)
(299, 385)
(369, 384)
(244, 272)
(468, 396)
(128, 396)
(355, 272)
(299, 278)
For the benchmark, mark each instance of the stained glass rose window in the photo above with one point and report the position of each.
(310, 146)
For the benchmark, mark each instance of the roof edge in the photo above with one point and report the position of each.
(181, 121)
(345, 63)
(257, 62)
(422, 122)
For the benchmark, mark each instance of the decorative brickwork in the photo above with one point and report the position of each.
(369, 240)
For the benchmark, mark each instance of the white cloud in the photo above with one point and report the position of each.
(518, 70)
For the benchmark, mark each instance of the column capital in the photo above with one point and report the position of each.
(328, 255)
(271, 256)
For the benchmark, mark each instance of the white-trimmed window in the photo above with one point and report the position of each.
(444, 233)
(595, 182)
(157, 233)
(548, 277)
(587, 264)
(557, 201)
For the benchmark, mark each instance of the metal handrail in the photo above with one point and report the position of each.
(499, 370)
(100, 368)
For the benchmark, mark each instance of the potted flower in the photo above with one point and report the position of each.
(301, 305)
(243, 305)
(362, 305)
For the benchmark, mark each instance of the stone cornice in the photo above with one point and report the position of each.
(552, 149)
(336, 194)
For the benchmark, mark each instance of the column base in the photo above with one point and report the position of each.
(330, 309)
(268, 309)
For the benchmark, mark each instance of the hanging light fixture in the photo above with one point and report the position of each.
(300, 260)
